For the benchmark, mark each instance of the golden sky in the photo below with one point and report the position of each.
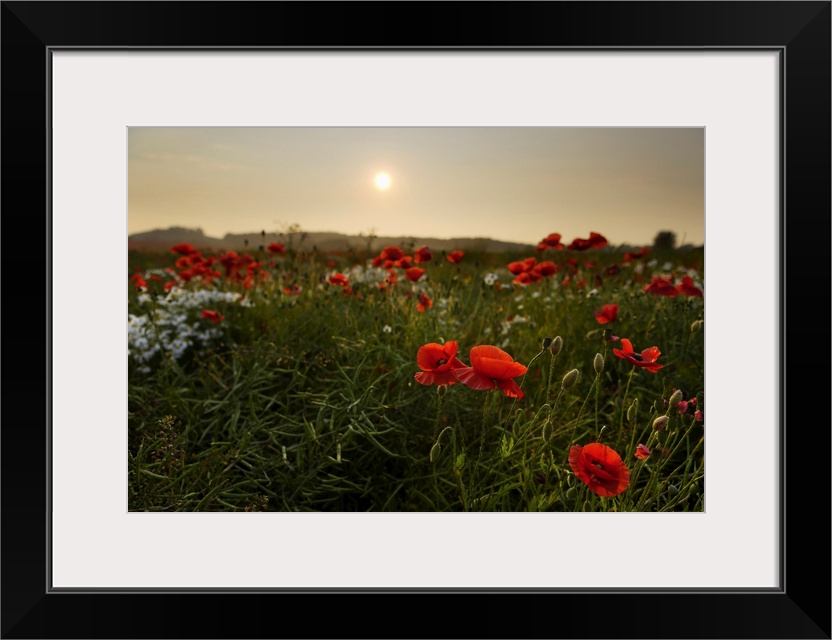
(509, 183)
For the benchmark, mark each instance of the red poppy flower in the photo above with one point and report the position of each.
(213, 316)
(437, 363)
(687, 287)
(424, 303)
(414, 273)
(545, 268)
(642, 452)
(552, 241)
(646, 359)
(516, 267)
(140, 282)
(339, 279)
(661, 287)
(523, 278)
(455, 256)
(276, 247)
(492, 367)
(608, 313)
(600, 468)
(612, 270)
(391, 253)
(183, 247)
(596, 240)
(405, 262)
(422, 255)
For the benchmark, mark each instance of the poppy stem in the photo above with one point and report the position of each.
(438, 412)
(580, 413)
(485, 408)
(624, 407)
(551, 375)
(597, 395)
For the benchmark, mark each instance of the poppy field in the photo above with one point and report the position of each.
(567, 378)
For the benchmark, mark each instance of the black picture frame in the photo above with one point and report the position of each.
(799, 31)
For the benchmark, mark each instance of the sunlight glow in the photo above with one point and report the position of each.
(382, 181)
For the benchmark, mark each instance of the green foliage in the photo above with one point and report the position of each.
(307, 401)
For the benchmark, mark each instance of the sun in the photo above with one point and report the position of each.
(382, 181)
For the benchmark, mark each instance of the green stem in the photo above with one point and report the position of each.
(578, 419)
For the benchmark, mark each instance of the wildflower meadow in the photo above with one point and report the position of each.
(568, 378)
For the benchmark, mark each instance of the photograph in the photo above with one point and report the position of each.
(420, 289)
(416, 319)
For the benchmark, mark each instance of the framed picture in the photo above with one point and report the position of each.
(85, 81)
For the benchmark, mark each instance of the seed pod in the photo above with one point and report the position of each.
(569, 379)
(598, 363)
(675, 399)
(434, 452)
(660, 423)
(631, 412)
(556, 346)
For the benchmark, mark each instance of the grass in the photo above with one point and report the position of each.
(307, 401)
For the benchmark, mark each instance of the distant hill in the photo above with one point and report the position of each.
(325, 241)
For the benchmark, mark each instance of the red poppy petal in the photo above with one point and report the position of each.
(451, 348)
(510, 388)
(470, 378)
(425, 377)
(499, 369)
(453, 363)
(428, 355)
(651, 354)
(628, 346)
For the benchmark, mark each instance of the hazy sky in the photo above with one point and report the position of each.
(509, 183)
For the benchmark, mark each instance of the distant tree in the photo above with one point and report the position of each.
(664, 240)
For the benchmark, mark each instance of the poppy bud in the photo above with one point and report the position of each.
(598, 363)
(696, 326)
(434, 451)
(675, 399)
(547, 342)
(441, 389)
(569, 379)
(631, 412)
(556, 346)
(571, 493)
(658, 405)
(660, 423)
